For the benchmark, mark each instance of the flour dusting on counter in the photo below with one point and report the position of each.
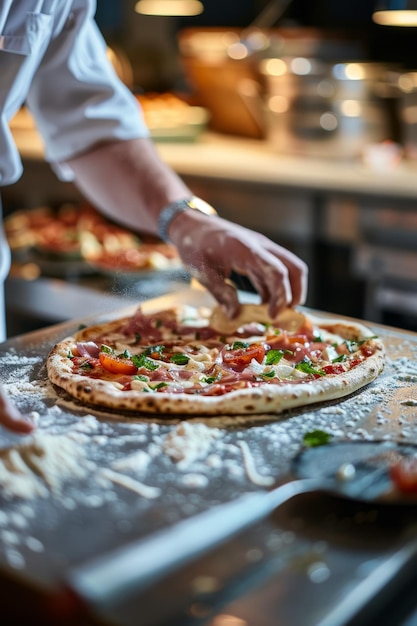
(40, 465)
(189, 442)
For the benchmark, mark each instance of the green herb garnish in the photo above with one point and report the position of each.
(270, 374)
(316, 438)
(339, 359)
(354, 344)
(106, 349)
(179, 358)
(209, 379)
(141, 377)
(141, 360)
(239, 345)
(306, 367)
(158, 386)
(274, 356)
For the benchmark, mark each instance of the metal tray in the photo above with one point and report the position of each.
(314, 557)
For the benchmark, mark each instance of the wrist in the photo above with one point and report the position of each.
(171, 211)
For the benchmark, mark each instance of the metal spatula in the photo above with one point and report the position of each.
(354, 470)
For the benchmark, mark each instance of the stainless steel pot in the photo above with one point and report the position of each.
(324, 109)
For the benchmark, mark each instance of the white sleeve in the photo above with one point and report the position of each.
(76, 97)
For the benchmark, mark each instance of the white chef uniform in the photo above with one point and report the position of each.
(51, 58)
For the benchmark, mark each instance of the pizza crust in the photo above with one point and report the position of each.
(265, 399)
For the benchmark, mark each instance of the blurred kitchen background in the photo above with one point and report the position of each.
(297, 119)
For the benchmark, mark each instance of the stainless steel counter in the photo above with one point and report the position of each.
(315, 561)
(221, 157)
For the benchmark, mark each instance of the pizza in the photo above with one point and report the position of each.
(193, 360)
(79, 231)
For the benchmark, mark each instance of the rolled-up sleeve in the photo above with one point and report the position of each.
(76, 97)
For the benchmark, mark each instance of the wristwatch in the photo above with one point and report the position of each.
(173, 209)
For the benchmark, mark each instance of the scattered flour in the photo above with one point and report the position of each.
(189, 442)
(137, 462)
(41, 464)
(252, 472)
(131, 484)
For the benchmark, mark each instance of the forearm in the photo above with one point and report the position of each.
(128, 182)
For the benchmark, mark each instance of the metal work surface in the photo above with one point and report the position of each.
(108, 482)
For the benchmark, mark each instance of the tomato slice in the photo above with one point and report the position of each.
(334, 368)
(117, 365)
(240, 358)
(404, 475)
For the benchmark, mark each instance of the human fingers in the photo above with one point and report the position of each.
(285, 276)
(11, 418)
(297, 275)
(222, 289)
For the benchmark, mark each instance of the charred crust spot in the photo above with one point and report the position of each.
(85, 388)
(249, 407)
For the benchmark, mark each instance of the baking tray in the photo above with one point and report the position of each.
(297, 567)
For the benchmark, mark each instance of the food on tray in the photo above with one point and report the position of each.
(47, 230)
(168, 116)
(185, 360)
(73, 231)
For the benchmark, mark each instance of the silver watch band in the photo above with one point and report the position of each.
(173, 209)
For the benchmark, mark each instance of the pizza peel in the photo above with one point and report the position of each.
(357, 471)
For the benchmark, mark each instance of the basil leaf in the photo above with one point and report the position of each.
(273, 357)
(353, 345)
(307, 368)
(106, 349)
(158, 386)
(179, 358)
(239, 345)
(316, 438)
(141, 360)
(125, 355)
(209, 379)
(268, 374)
(339, 359)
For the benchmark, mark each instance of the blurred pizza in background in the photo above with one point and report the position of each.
(79, 234)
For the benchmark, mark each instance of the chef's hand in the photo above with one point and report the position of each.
(11, 418)
(213, 247)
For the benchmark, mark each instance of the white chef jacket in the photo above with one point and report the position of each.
(52, 57)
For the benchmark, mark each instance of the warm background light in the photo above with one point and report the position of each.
(169, 7)
(395, 18)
